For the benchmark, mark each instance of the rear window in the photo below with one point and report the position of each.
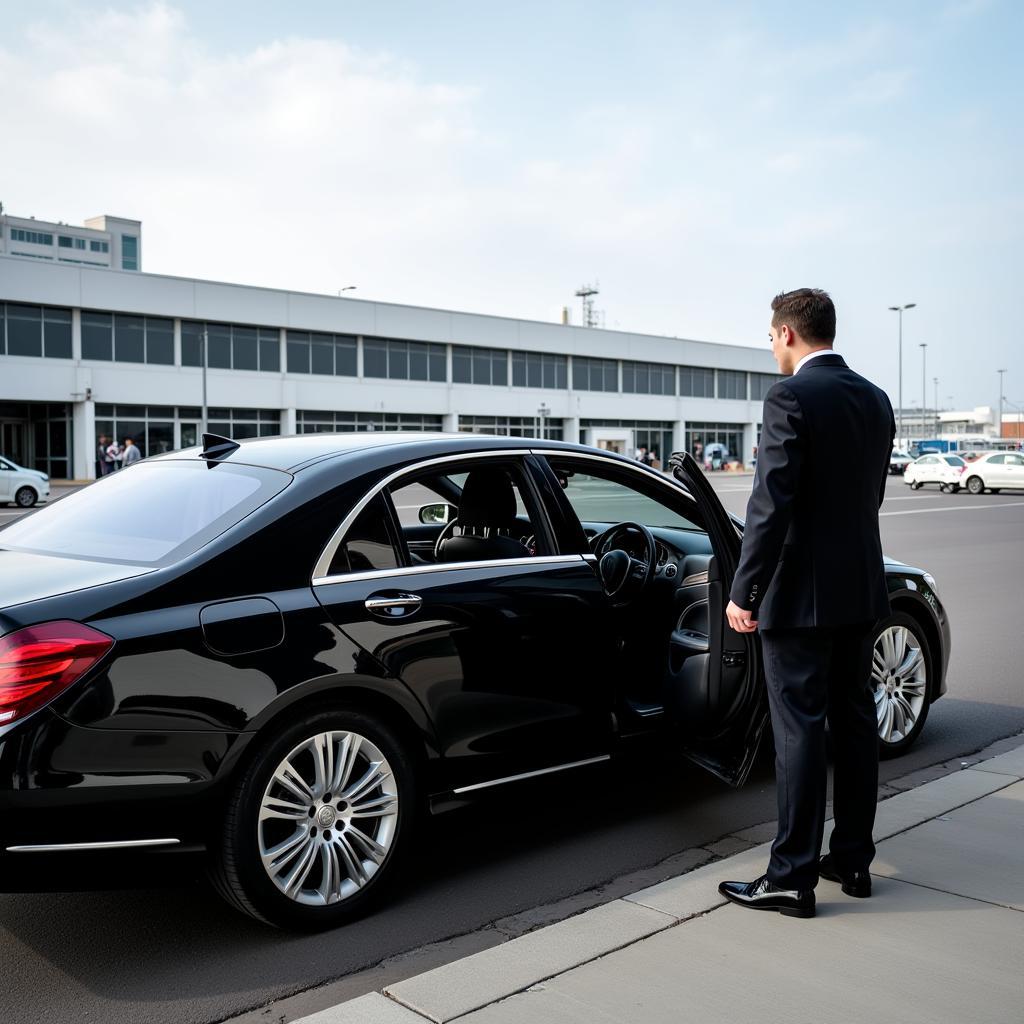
(954, 460)
(154, 513)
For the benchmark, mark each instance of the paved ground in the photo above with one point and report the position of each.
(938, 942)
(525, 858)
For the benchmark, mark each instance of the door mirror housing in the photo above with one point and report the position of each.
(437, 515)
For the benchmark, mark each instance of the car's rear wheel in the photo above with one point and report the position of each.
(915, 485)
(25, 497)
(900, 666)
(976, 485)
(318, 826)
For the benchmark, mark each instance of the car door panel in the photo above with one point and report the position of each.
(724, 710)
(492, 653)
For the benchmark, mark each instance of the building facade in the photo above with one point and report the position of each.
(113, 243)
(88, 351)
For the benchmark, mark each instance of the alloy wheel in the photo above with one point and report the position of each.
(328, 818)
(25, 498)
(899, 677)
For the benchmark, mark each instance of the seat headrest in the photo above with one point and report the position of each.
(488, 498)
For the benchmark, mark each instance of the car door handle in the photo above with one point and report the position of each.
(392, 605)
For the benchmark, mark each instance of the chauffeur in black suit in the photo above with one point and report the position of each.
(811, 579)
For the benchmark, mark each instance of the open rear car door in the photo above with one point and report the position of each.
(716, 691)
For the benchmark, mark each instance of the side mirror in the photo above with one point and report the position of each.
(437, 515)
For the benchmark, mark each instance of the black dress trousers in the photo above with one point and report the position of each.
(814, 672)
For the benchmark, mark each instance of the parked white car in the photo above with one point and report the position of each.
(944, 470)
(22, 486)
(994, 471)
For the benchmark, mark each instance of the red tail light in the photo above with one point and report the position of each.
(40, 662)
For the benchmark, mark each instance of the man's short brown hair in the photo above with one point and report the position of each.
(808, 311)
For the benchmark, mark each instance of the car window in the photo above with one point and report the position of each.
(1015, 460)
(500, 498)
(928, 460)
(954, 460)
(368, 544)
(601, 497)
(151, 514)
(5, 465)
(996, 459)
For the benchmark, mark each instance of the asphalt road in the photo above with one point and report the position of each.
(173, 952)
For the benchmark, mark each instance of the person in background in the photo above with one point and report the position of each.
(102, 467)
(113, 457)
(131, 452)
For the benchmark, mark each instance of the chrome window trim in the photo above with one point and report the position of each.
(416, 570)
(327, 555)
(113, 844)
(533, 774)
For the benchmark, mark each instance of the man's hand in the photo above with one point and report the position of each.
(739, 618)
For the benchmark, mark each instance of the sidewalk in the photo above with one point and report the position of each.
(941, 939)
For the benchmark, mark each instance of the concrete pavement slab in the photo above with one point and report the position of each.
(1010, 763)
(372, 1008)
(697, 891)
(910, 954)
(975, 851)
(466, 985)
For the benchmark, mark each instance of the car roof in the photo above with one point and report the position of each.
(301, 450)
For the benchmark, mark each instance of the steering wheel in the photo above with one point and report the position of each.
(624, 577)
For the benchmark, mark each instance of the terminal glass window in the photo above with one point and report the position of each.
(311, 421)
(479, 365)
(151, 427)
(539, 370)
(696, 382)
(239, 423)
(97, 246)
(732, 384)
(330, 355)
(654, 435)
(760, 383)
(715, 444)
(648, 379)
(35, 331)
(33, 237)
(129, 252)
(513, 426)
(403, 360)
(595, 374)
(230, 346)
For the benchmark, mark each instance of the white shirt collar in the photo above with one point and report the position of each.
(813, 355)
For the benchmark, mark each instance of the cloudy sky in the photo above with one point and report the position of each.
(693, 158)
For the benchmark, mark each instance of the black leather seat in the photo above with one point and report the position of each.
(486, 523)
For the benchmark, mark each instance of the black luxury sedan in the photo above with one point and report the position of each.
(282, 651)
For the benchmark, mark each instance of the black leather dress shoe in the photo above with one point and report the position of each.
(760, 894)
(854, 883)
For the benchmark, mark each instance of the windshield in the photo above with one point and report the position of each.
(151, 514)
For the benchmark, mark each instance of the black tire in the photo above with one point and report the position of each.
(955, 488)
(236, 868)
(887, 750)
(976, 485)
(943, 488)
(25, 497)
(994, 490)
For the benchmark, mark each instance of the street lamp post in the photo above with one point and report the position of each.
(935, 403)
(899, 309)
(543, 412)
(999, 422)
(924, 399)
(204, 419)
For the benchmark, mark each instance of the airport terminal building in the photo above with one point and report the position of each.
(90, 348)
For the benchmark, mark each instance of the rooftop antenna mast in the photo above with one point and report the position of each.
(586, 294)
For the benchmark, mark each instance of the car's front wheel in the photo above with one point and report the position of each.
(900, 666)
(319, 824)
(25, 497)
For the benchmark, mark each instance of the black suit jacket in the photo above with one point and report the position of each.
(811, 551)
